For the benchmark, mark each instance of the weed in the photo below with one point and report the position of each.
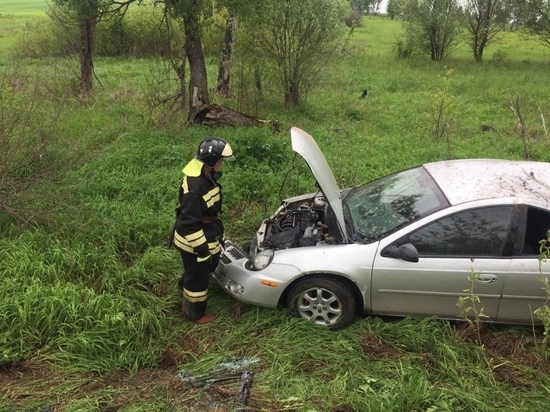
(543, 313)
(442, 110)
(469, 305)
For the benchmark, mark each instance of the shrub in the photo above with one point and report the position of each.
(403, 48)
(354, 18)
(499, 56)
(27, 126)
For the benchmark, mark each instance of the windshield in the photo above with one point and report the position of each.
(384, 205)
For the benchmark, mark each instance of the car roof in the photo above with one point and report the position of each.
(475, 179)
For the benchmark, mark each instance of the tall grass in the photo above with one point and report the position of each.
(88, 301)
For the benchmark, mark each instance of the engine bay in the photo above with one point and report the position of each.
(297, 224)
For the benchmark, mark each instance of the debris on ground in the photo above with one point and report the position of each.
(225, 371)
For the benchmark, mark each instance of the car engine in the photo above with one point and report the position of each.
(297, 224)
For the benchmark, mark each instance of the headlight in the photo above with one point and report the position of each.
(234, 287)
(262, 259)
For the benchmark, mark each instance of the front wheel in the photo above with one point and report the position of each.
(324, 300)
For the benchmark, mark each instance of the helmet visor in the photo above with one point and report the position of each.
(227, 153)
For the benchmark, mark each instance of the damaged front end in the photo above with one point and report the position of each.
(299, 222)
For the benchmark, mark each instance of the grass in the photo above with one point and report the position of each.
(89, 316)
(23, 7)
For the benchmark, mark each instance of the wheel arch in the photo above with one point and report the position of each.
(353, 288)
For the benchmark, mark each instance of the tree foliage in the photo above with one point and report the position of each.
(433, 26)
(298, 37)
(482, 24)
(537, 20)
(394, 8)
(86, 14)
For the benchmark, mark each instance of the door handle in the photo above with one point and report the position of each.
(487, 278)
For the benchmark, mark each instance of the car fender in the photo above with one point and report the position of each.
(352, 261)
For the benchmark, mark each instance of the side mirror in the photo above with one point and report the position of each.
(406, 252)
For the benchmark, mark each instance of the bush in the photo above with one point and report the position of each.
(499, 56)
(26, 131)
(354, 18)
(403, 48)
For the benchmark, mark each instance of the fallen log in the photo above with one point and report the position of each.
(212, 114)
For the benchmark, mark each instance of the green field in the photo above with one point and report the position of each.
(23, 7)
(89, 310)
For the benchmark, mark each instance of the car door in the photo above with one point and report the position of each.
(450, 248)
(523, 291)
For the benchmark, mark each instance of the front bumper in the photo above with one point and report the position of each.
(246, 285)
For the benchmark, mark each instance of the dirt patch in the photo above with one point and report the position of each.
(516, 358)
(374, 346)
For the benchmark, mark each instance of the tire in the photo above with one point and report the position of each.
(324, 300)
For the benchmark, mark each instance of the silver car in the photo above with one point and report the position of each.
(406, 244)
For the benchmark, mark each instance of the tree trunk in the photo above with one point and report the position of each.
(225, 61)
(197, 65)
(86, 44)
(292, 95)
(180, 71)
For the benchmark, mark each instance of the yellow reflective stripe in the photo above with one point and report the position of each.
(183, 246)
(214, 247)
(195, 296)
(196, 239)
(185, 185)
(192, 243)
(212, 196)
(202, 259)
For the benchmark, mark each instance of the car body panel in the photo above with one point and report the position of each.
(291, 264)
(474, 179)
(434, 285)
(305, 146)
(523, 291)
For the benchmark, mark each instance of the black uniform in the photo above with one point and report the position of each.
(197, 235)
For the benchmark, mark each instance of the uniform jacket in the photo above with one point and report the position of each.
(198, 229)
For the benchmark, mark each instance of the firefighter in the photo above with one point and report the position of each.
(198, 231)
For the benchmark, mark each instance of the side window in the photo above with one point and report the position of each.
(477, 232)
(538, 223)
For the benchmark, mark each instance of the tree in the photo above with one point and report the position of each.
(482, 24)
(225, 60)
(432, 25)
(375, 7)
(362, 6)
(87, 14)
(298, 37)
(394, 8)
(537, 20)
(191, 13)
(511, 13)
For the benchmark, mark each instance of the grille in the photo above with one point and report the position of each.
(236, 253)
(225, 259)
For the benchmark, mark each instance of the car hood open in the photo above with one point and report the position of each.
(305, 146)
